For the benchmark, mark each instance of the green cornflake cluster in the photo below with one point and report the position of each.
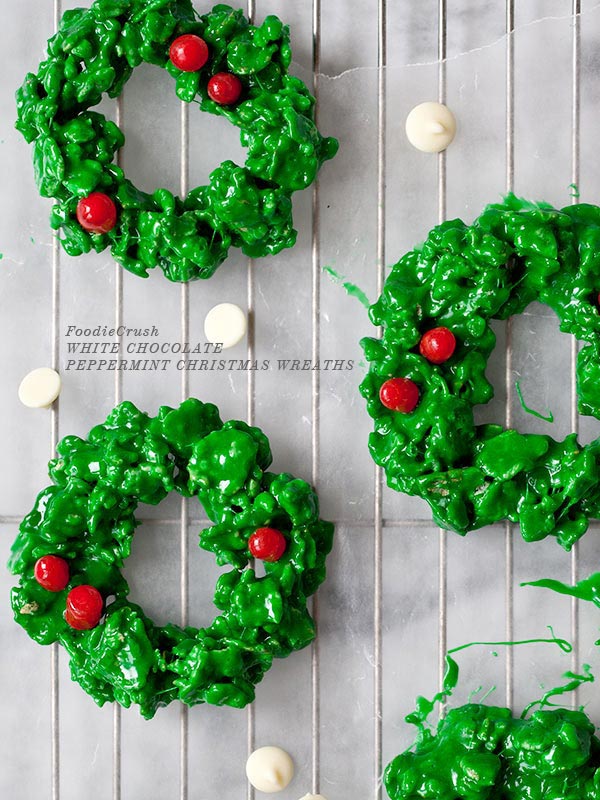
(482, 753)
(87, 516)
(462, 277)
(93, 54)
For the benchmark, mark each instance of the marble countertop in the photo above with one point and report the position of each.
(346, 667)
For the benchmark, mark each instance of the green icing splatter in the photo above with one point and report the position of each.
(451, 674)
(574, 681)
(586, 589)
(462, 277)
(351, 289)
(87, 516)
(481, 752)
(93, 54)
(549, 418)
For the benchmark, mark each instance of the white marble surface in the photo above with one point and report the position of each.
(476, 578)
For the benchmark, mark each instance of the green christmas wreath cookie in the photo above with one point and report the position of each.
(71, 547)
(230, 68)
(427, 372)
(482, 752)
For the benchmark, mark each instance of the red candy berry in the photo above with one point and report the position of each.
(437, 345)
(224, 88)
(267, 544)
(399, 394)
(97, 213)
(84, 607)
(52, 573)
(189, 53)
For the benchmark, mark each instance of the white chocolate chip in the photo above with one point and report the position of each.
(40, 388)
(269, 769)
(313, 797)
(225, 324)
(430, 127)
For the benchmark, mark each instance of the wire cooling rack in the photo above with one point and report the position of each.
(522, 79)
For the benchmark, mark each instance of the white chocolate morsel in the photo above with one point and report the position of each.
(430, 127)
(313, 797)
(269, 769)
(225, 324)
(40, 388)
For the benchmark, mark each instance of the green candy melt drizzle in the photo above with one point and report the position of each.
(586, 589)
(462, 277)
(93, 55)
(481, 752)
(87, 516)
(528, 410)
(352, 290)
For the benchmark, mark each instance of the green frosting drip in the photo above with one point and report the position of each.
(462, 277)
(586, 589)
(532, 411)
(93, 54)
(352, 290)
(87, 516)
(481, 752)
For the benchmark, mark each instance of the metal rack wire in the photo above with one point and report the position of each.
(575, 176)
(54, 334)
(378, 522)
(380, 260)
(315, 397)
(510, 170)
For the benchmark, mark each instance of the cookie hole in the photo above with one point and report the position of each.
(259, 568)
(541, 357)
(153, 572)
(152, 127)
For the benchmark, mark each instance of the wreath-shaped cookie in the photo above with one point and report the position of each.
(427, 371)
(482, 753)
(72, 545)
(232, 69)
